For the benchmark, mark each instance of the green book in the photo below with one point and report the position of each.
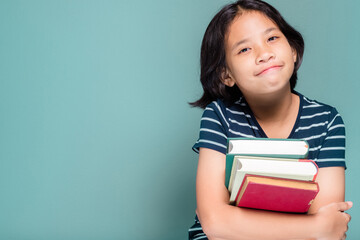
(283, 149)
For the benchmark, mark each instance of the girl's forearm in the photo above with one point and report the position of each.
(229, 222)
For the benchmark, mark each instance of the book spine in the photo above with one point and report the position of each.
(241, 186)
(228, 169)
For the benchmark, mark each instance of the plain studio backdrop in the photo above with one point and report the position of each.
(95, 129)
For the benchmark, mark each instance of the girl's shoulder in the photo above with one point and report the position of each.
(232, 116)
(226, 112)
(311, 106)
(313, 111)
(225, 108)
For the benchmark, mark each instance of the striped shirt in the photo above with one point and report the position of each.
(317, 123)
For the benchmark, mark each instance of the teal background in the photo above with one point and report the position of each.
(95, 129)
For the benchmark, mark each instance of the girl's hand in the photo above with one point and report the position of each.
(333, 221)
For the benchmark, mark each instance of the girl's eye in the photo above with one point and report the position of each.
(244, 50)
(272, 38)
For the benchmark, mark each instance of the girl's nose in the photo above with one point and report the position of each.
(265, 54)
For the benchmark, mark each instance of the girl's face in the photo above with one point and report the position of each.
(260, 60)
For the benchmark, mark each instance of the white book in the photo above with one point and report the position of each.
(268, 147)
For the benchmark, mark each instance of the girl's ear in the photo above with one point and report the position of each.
(226, 78)
(294, 53)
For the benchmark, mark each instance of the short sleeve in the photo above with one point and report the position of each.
(213, 129)
(332, 151)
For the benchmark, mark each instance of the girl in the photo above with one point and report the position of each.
(249, 61)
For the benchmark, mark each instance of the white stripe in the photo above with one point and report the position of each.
(213, 143)
(243, 124)
(315, 148)
(200, 237)
(195, 229)
(207, 108)
(311, 102)
(312, 106)
(335, 137)
(213, 131)
(241, 134)
(332, 148)
(336, 126)
(315, 136)
(331, 160)
(306, 99)
(311, 126)
(211, 120)
(332, 121)
(238, 113)
(239, 101)
(314, 115)
(217, 105)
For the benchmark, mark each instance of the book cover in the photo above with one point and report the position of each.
(276, 194)
(305, 170)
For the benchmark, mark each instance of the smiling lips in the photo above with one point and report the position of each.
(268, 69)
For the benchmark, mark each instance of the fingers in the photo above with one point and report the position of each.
(344, 206)
(344, 237)
(348, 217)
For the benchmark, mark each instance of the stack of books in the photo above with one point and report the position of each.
(270, 174)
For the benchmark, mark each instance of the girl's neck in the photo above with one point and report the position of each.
(276, 114)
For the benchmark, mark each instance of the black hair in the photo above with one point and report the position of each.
(212, 57)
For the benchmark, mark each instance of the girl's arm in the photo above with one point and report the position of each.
(331, 182)
(223, 221)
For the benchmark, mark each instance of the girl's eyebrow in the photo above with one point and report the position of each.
(246, 39)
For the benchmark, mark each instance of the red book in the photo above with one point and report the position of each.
(276, 194)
